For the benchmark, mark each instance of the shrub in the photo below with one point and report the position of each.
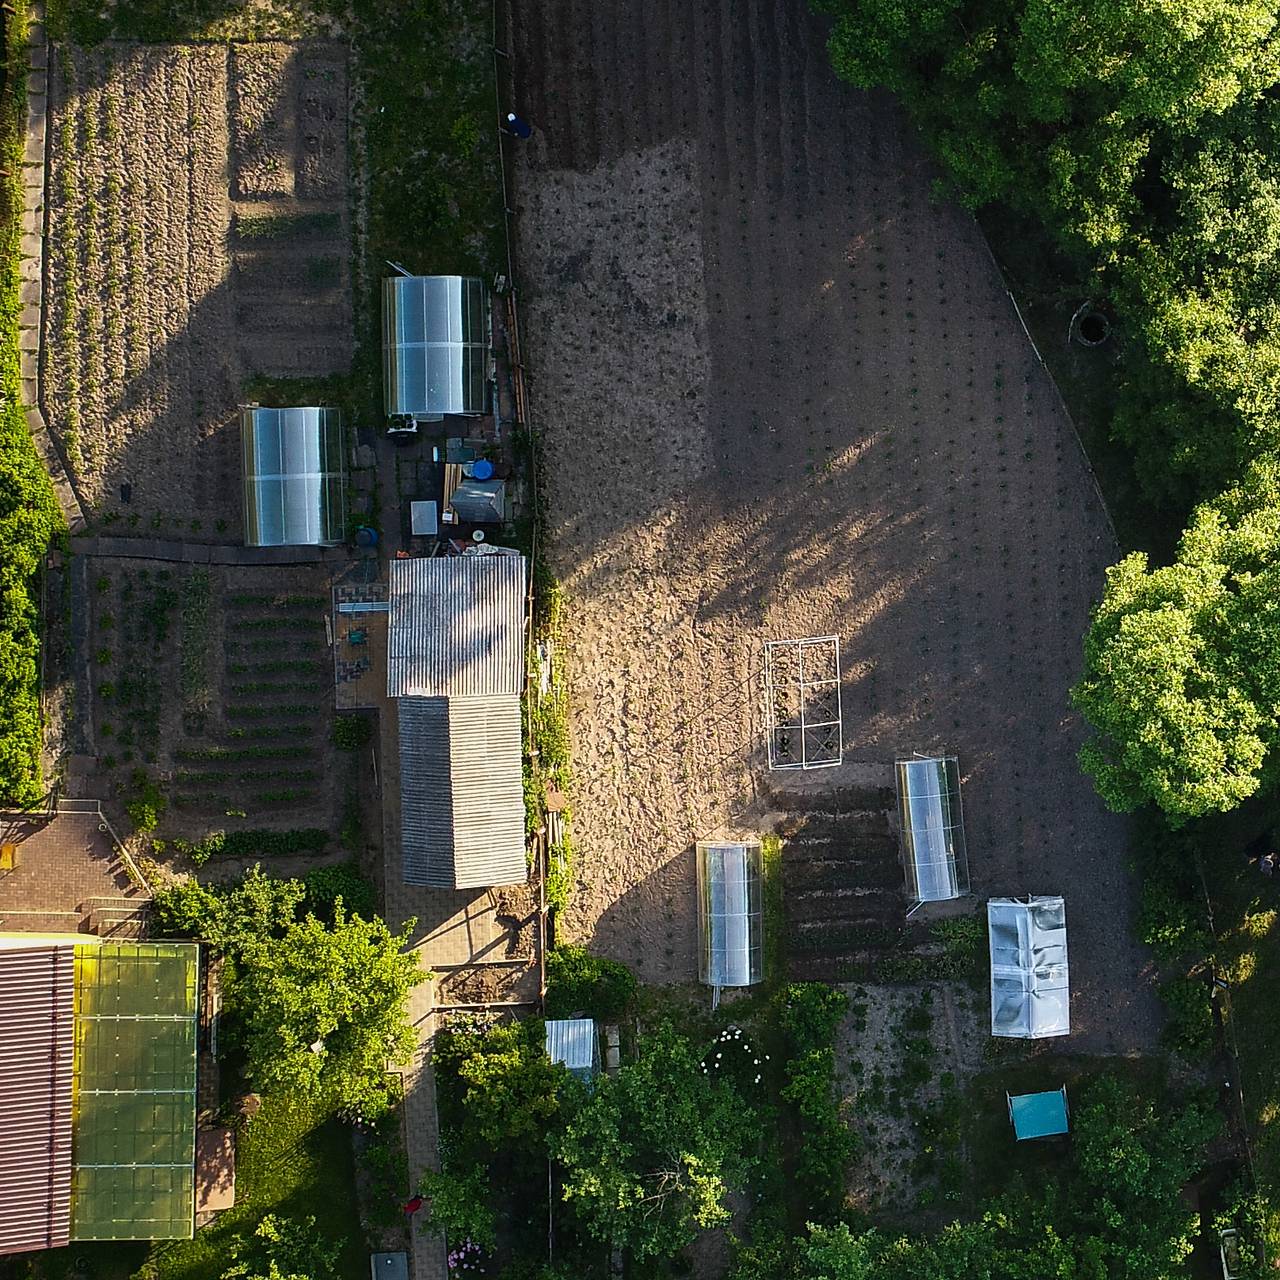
(351, 732)
(459, 1204)
(253, 842)
(811, 1013)
(1189, 1030)
(325, 885)
(578, 981)
(148, 804)
(1168, 923)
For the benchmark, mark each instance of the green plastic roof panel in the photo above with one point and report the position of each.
(134, 1121)
(1039, 1115)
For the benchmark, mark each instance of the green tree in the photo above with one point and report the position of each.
(284, 1249)
(648, 1158)
(323, 1009)
(1182, 663)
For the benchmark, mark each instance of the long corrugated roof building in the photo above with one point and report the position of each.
(456, 665)
(97, 1090)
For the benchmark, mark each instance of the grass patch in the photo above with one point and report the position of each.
(1049, 289)
(293, 1159)
(286, 226)
(996, 1161)
(775, 912)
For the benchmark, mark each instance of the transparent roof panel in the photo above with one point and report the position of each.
(935, 859)
(730, 914)
(435, 337)
(293, 476)
(134, 1119)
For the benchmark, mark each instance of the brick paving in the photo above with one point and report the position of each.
(70, 877)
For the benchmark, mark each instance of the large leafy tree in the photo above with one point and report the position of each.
(1182, 663)
(324, 1008)
(648, 1158)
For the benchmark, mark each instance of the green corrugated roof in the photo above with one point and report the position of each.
(134, 1123)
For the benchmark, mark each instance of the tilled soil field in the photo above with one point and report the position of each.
(198, 235)
(217, 684)
(782, 392)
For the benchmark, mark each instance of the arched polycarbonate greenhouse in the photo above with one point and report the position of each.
(293, 476)
(435, 345)
(934, 858)
(730, 913)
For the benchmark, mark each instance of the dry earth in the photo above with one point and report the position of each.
(782, 392)
(161, 306)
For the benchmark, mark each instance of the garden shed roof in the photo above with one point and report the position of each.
(730, 913)
(1039, 1115)
(435, 344)
(573, 1042)
(456, 627)
(1030, 987)
(293, 476)
(461, 792)
(934, 856)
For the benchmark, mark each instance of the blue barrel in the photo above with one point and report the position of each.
(482, 470)
(366, 537)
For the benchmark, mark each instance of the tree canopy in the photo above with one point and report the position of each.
(324, 1008)
(1182, 663)
(648, 1157)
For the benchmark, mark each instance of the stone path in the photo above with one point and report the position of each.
(31, 269)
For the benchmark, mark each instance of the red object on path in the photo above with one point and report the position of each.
(414, 1205)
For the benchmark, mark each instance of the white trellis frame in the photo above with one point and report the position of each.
(802, 700)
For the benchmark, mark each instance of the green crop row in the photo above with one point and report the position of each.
(289, 752)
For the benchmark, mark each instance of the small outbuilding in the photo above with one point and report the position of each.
(935, 859)
(435, 346)
(1039, 1115)
(730, 913)
(573, 1042)
(1030, 981)
(293, 477)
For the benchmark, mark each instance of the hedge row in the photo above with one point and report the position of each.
(29, 515)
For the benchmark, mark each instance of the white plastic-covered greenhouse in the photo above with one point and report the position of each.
(435, 345)
(1030, 987)
(730, 913)
(934, 857)
(293, 476)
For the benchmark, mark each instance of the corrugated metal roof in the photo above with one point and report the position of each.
(456, 627)
(573, 1042)
(37, 990)
(461, 792)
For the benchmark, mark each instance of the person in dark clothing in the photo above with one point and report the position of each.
(517, 126)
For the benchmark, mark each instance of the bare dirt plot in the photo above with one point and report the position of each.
(783, 393)
(197, 212)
